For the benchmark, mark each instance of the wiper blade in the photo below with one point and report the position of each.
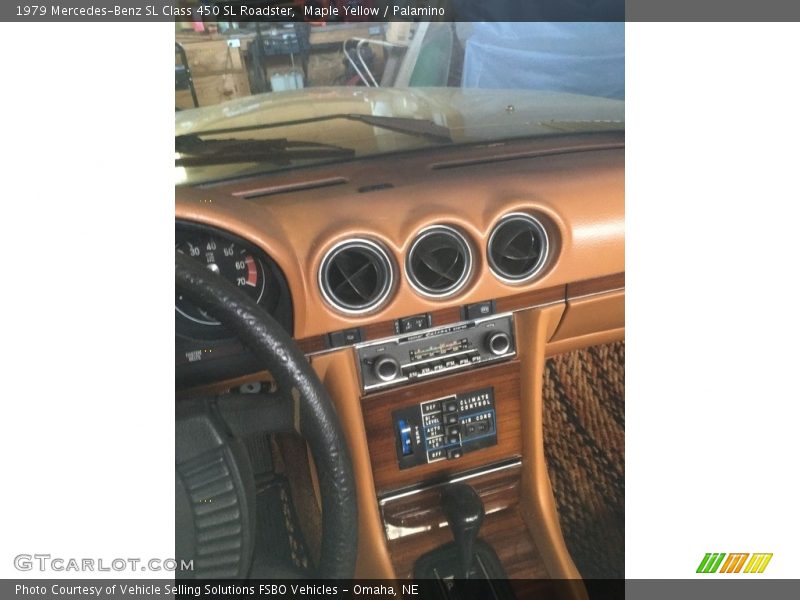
(415, 127)
(197, 152)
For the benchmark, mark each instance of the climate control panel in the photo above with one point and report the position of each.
(435, 351)
(445, 428)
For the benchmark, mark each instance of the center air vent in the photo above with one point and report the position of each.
(356, 276)
(439, 262)
(517, 248)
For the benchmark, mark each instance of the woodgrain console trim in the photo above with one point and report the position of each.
(377, 409)
(598, 285)
(415, 524)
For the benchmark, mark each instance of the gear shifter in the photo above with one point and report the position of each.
(464, 511)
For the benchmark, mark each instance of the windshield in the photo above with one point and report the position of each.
(256, 97)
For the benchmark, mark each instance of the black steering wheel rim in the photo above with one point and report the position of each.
(315, 417)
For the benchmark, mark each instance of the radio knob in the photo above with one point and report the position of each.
(498, 343)
(386, 368)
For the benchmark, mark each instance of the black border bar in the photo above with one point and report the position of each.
(400, 10)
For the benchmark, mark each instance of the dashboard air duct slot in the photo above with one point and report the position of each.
(439, 262)
(356, 276)
(517, 248)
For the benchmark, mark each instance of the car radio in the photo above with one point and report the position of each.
(409, 358)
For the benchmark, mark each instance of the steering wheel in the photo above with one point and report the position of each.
(215, 518)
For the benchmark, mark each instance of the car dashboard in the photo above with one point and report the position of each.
(426, 289)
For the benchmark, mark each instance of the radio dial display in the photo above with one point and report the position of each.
(441, 349)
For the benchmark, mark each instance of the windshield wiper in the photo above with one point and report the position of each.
(197, 152)
(415, 127)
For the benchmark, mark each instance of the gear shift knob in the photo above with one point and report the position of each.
(464, 511)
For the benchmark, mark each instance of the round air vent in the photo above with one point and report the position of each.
(356, 276)
(439, 261)
(517, 248)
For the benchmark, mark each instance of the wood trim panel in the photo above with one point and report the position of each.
(531, 299)
(599, 285)
(377, 409)
(498, 490)
(503, 528)
(312, 345)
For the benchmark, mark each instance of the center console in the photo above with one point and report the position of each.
(442, 405)
(437, 395)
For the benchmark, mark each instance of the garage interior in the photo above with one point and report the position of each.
(218, 62)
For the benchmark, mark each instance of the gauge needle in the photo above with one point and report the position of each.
(213, 268)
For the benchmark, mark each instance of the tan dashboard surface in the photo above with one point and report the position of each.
(576, 184)
(573, 184)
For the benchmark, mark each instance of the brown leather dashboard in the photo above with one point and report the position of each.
(575, 184)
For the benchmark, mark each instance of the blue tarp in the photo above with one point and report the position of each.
(580, 58)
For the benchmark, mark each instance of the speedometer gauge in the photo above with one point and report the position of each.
(227, 259)
(206, 350)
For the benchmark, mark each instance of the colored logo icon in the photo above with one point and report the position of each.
(719, 562)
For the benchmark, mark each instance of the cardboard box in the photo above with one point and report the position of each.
(214, 89)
